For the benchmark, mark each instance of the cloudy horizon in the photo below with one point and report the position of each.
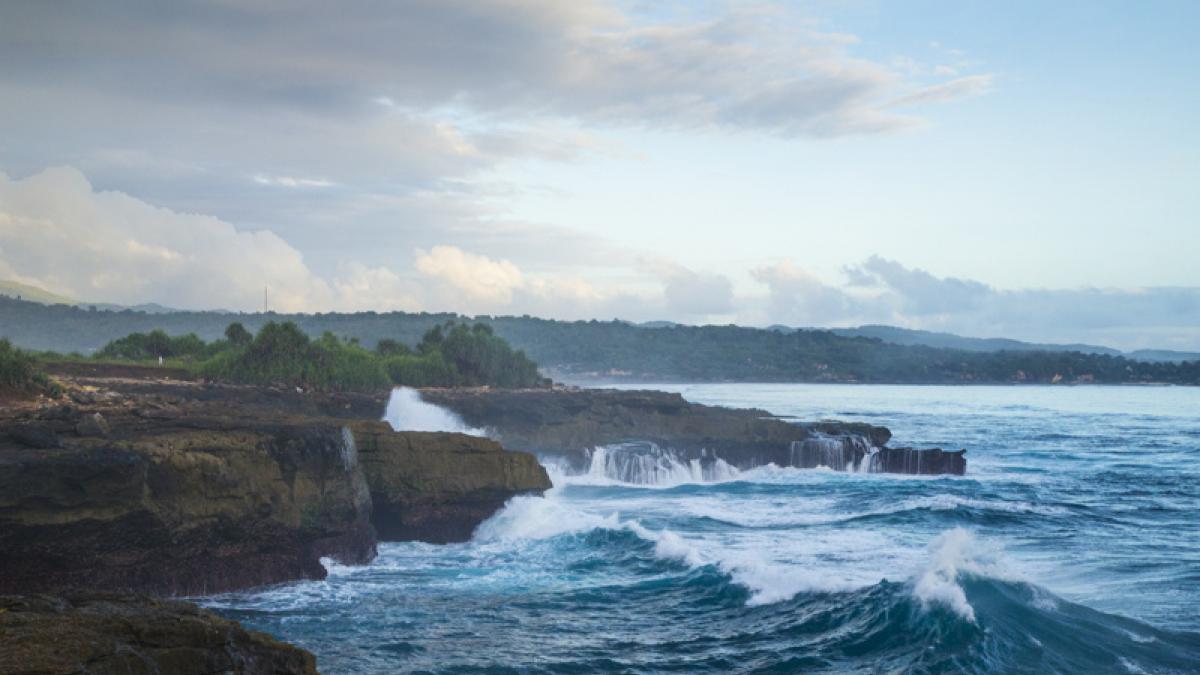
(807, 164)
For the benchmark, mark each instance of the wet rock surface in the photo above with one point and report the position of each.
(102, 634)
(569, 423)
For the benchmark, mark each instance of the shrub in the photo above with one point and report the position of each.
(150, 346)
(19, 371)
(479, 357)
(282, 354)
(390, 347)
(237, 335)
(426, 370)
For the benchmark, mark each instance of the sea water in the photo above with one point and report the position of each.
(1071, 545)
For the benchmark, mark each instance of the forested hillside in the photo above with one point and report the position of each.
(619, 350)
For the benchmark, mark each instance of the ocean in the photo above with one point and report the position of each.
(1071, 545)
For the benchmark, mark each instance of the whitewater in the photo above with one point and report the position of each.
(1071, 545)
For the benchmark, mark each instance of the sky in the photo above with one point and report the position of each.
(1018, 169)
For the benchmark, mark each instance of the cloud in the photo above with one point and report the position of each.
(759, 67)
(698, 294)
(1124, 318)
(57, 231)
(687, 294)
(477, 278)
(799, 298)
(918, 292)
(476, 284)
(290, 182)
(354, 130)
(963, 87)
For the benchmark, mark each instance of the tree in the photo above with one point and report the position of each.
(237, 334)
(390, 347)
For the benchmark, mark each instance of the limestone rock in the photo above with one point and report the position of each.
(437, 487)
(216, 505)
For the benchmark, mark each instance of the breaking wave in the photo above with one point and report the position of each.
(962, 608)
(1068, 555)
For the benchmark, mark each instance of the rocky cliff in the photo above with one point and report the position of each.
(105, 634)
(132, 482)
(436, 486)
(189, 504)
(179, 488)
(569, 423)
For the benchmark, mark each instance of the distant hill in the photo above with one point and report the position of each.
(618, 350)
(16, 289)
(1162, 355)
(20, 291)
(908, 336)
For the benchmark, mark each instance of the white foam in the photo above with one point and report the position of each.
(954, 553)
(645, 465)
(795, 568)
(764, 512)
(528, 517)
(1131, 666)
(407, 412)
(1138, 637)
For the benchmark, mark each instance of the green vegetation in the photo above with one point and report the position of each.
(282, 353)
(20, 373)
(156, 344)
(452, 354)
(608, 349)
(478, 357)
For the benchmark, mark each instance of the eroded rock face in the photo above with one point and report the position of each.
(923, 462)
(569, 423)
(106, 634)
(194, 505)
(438, 486)
(196, 489)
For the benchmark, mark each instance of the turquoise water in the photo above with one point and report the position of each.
(1071, 545)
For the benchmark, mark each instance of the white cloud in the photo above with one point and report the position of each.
(690, 295)
(963, 87)
(748, 67)
(799, 298)
(57, 231)
(392, 124)
(290, 182)
(477, 278)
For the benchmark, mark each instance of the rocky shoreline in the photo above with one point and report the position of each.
(568, 423)
(136, 485)
(132, 483)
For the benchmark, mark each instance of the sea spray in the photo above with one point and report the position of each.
(407, 412)
(647, 464)
(955, 554)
